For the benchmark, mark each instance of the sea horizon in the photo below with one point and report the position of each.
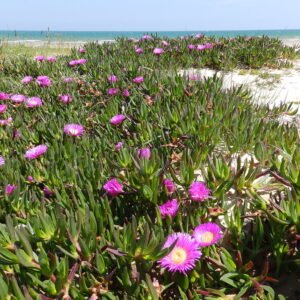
(61, 35)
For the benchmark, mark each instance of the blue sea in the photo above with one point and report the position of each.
(111, 35)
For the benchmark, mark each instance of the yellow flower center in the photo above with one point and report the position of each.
(207, 237)
(178, 255)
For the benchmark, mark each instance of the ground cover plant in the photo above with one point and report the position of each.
(120, 179)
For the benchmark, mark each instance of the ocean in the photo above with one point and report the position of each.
(111, 35)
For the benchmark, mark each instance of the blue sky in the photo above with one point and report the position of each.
(143, 15)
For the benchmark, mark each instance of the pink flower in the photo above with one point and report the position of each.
(39, 58)
(65, 98)
(147, 37)
(47, 193)
(191, 47)
(44, 81)
(207, 234)
(73, 63)
(144, 153)
(9, 189)
(138, 79)
(184, 255)
(18, 98)
(68, 79)
(35, 152)
(139, 50)
(118, 146)
(76, 62)
(82, 50)
(34, 102)
(126, 93)
(3, 96)
(113, 187)
(74, 129)
(198, 35)
(2, 161)
(30, 178)
(209, 46)
(158, 51)
(118, 119)
(194, 77)
(16, 134)
(27, 79)
(170, 186)
(51, 59)
(81, 61)
(198, 191)
(7, 121)
(112, 78)
(169, 208)
(3, 108)
(112, 91)
(165, 43)
(201, 47)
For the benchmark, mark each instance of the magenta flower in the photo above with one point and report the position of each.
(27, 79)
(73, 63)
(35, 152)
(165, 43)
(144, 153)
(158, 51)
(47, 193)
(68, 79)
(170, 186)
(113, 187)
(2, 161)
(9, 189)
(7, 121)
(33, 102)
(16, 134)
(74, 129)
(191, 47)
(81, 61)
(207, 234)
(76, 62)
(139, 50)
(198, 36)
(138, 79)
(39, 58)
(126, 93)
(209, 46)
(51, 59)
(198, 191)
(30, 178)
(18, 98)
(147, 37)
(3, 108)
(201, 47)
(4, 96)
(112, 91)
(194, 77)
(169, 208)
(112, 78)
(118, 119)
(43, 81)
(82, 50)
(118, 146)
(184, 255)
(65, 98)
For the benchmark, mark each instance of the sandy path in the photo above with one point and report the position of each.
(268, 86)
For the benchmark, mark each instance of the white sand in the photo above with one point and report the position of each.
(268, 86)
